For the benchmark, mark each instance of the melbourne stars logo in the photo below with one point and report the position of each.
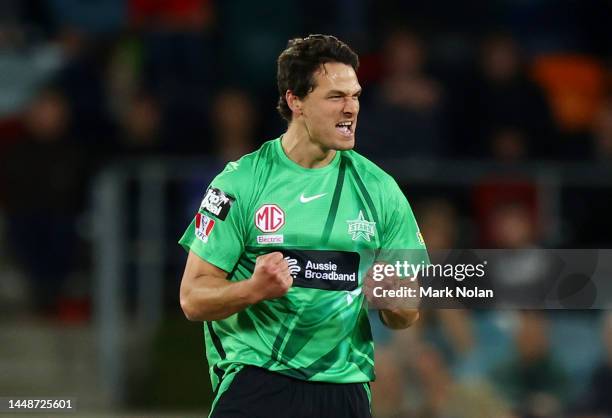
(361, 228)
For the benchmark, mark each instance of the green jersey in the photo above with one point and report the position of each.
(328, 223)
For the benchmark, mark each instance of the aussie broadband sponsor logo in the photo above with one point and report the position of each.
(326, 270)
(270, 239)
(294, 267)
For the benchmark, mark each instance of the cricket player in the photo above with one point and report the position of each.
(279, 248)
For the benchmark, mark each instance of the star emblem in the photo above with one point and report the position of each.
(361, 228)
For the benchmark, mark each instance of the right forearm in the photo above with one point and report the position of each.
(207, 295)
(216, 299)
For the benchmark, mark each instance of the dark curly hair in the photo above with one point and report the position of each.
(298, 63)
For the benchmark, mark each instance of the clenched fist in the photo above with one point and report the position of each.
(271, 278)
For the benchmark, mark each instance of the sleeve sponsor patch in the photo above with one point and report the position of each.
(203, 226)
(217, 203)
(420, 238)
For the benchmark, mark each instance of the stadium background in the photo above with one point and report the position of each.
(494, 116)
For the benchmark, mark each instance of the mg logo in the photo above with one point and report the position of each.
(269, 218)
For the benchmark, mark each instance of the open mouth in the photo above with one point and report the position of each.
(345, 128)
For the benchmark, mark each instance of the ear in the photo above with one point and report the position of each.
(294, 102)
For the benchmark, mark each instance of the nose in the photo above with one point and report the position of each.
(351, 106)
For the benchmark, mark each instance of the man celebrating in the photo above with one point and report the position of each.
(279, 250)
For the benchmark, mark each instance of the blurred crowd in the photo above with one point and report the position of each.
(86, 82)
(494, 363)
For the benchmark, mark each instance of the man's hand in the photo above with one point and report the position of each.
(399, 318)
(271, 278)
(395, 312)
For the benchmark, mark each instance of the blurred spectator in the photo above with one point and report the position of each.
(124, 78)
(597, 217)
(597, 399)
(81, 79)
(509, 145)
(394, 350)
(602, 133)
(549, 25)
(443, 396)
(503, 95)
(493, 196)
(234, 122)
(346, 19)
(177, 46)
(450, 329)
(533, 381)
(587, 209)
(434, 16)
(178, 57)
(141, 127)
(389, 386)
(234, 126)
(575, 85)
(438, 223)
(524, 276)
(249, 45)
(25, 65)
(512, 226)
(44, 174)
(404, 117)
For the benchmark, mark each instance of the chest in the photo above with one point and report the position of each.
(325, 212)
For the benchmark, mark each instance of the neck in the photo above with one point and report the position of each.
(301, 149)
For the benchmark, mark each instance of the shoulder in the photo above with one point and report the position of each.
(370, 173)
(240, 175)
(234, 185)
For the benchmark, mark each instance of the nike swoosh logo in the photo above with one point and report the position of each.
(304, 199)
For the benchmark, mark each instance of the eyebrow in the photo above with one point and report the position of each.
(343, 93)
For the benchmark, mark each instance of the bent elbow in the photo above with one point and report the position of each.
(188, 309)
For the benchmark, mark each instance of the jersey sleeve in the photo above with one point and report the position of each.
(402, 240)
(216, 233)
(401, 229)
